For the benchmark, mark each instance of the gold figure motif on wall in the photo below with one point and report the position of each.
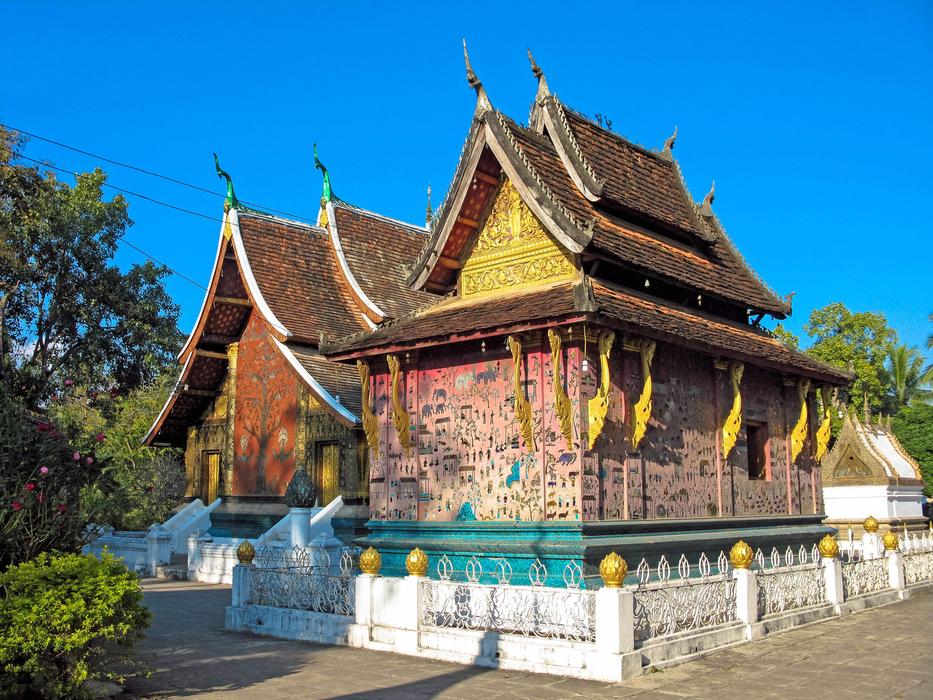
(823, 432)
(399, 414)
(561, 400)
(599, 404)
(522, 406)
(642, 408)
(370, 422)
(513, 250)
(733, 423)
(799, 434)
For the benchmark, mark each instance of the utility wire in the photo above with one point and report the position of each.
(149, 172)
(121, 238)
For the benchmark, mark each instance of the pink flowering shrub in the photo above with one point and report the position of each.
(40, 486)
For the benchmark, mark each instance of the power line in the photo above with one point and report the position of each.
(121, 238)
(148, 172)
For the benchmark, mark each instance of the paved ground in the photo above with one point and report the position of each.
(881, 653)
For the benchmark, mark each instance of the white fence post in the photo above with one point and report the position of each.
(242, 574)
(615, 620)
(746, 599)
(835, 593)
(896, 577)
(158, 548)
(411, 607)
(194, 554)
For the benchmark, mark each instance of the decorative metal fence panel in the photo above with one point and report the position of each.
(863, 576)
(531, 610)
(918, 566)
(789, 582)
(699, 599)
(305, 579)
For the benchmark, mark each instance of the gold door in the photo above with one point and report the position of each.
(210, 476)
(330, 472)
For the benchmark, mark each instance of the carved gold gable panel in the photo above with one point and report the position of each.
(513, 250)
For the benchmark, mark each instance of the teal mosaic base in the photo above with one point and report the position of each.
(556, 544)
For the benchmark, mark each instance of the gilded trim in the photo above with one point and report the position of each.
(228, 453)
(823, 432)
(598, 406)
(733, 423)
(561, 400)
(370, 422)
(642, 408)
(521, 404)
(399, 414)
(799, 434)
(301, 428)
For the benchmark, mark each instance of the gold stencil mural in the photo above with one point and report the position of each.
(513, 250)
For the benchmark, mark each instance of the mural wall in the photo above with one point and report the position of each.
(468, 460)
(264, 421)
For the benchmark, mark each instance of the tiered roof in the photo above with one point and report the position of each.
(306, 282)
(651, 259)
(867, 453)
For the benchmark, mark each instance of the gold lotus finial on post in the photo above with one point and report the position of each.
(829, 547)
(612, 569)
(741, 555)
(890, 541)
(370, 562)
(417, 562)
(245, 552)
(871, 524)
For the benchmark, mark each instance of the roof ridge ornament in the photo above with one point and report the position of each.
(669, 143)
(706, 209)
(482, 99)
(327, 193)
(543, 90)
(230, 199)
(428, 211)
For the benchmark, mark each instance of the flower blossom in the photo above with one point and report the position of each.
(76, 457)
(30, 486)
(17, 505)
(43, 470)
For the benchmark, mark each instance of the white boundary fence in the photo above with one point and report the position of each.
(668, 615)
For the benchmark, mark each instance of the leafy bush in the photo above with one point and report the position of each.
(139, 485)
(913, 426)
(65, 619)
(40, 484)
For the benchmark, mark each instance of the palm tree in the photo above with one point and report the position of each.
(930, 337)
(910, 380)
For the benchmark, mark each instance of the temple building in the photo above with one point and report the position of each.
(867, 473)
(255, 400)
(590, 371)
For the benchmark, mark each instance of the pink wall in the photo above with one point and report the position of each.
(467, 449)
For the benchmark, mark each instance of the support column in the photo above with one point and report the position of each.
(896, 574)
(242, 574)
(229, 454)
(746, 601)
(832, 574)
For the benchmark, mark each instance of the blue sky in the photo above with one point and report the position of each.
(813, 118)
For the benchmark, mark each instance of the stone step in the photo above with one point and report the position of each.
(172, 571)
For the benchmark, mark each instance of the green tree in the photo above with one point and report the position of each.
(913, 426)
(786, 337)
(67, 313)
(909, 379)
(139, 485)
(860, 342)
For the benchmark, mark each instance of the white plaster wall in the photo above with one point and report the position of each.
(858, 502)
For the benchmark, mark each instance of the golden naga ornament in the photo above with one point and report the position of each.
(370, 562)
(741, 555)
(246, 552)
(823, 432)
(599, 404)
(733, 422)
(889, 540)
(829, 547)
(798, 435)
(561, 400)
(871, 524)
(416, 563)
(612, 569)
(399, 414)
(370, 422)
(522, 406)
(642, 407)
